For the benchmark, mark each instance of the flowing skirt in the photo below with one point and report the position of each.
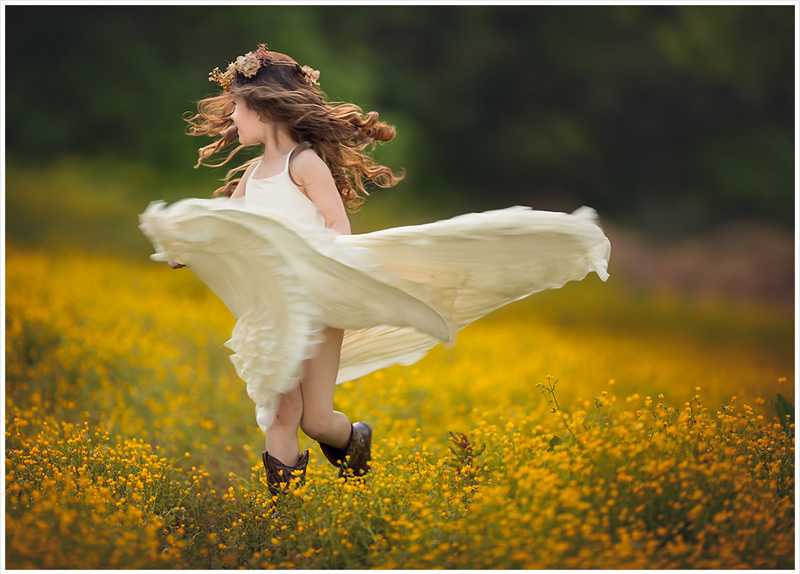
(396, 292)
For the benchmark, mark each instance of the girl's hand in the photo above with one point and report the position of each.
(175, 264)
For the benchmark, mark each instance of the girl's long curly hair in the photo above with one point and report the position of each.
(280, 91)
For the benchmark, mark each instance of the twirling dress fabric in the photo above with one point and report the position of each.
(396, 292)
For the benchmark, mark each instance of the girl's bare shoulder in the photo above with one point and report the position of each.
(308, 167)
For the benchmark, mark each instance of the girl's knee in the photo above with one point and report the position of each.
(314, 427)
(290, 408)
(284, 425)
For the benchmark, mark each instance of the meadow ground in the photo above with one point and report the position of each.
(589, 427)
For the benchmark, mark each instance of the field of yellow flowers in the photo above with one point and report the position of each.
(589, 427)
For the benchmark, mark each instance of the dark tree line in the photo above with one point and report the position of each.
(669, 117)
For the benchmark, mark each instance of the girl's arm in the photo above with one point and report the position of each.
(316, 181)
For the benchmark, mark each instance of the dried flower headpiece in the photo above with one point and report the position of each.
(249, 64)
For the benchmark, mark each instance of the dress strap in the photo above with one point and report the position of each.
(289, 156)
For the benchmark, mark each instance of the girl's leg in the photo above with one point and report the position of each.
(282, 440)
(319, 421)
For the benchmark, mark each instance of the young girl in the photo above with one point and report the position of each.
(315, 305)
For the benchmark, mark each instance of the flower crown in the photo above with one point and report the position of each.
(249, 64)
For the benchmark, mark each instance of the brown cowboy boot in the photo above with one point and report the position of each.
(278, 474)
(358, 449)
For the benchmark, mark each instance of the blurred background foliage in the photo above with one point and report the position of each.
(666, 119)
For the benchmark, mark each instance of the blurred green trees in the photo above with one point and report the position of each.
(671, 118)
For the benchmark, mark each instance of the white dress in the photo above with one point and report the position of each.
(397, 292)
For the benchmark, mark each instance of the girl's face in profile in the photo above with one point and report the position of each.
(248, 124)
